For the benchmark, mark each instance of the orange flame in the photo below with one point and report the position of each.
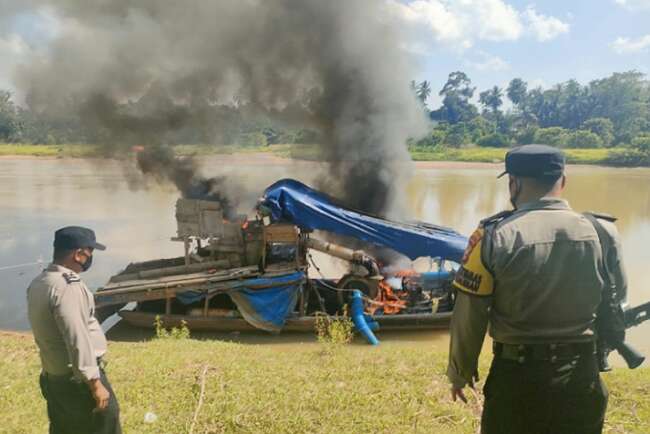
(387, 299)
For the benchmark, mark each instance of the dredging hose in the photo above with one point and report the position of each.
(363, 322)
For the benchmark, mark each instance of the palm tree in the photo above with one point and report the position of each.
(492, 98)
(423, 91)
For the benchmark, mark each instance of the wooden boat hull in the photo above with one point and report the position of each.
(301, 324)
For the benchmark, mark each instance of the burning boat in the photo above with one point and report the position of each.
(246, 274)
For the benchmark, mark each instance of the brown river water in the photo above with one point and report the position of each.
(41, 195)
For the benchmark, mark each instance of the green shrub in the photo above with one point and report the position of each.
(433, 140)
(494, 140)
(253, 140)
(335, 331)
(479, 127)
(553, 136)
(628, 157)
(584, 139)
(458, 135)
(642, 143)
(162, 332)
(304, 136)
(602, 127)
(527, 135)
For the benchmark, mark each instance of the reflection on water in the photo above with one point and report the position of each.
(38, 196)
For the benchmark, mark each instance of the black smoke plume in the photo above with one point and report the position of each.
(141, 71)
(160, 163)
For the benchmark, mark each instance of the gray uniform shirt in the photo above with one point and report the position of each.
(533, 277)
(61, 311)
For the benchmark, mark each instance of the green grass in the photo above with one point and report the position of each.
(478, 155)
(198, 150)
(313, 388)
(311, 152)
(496, 155)
(90, 151)
(587, 156)
(73, 151)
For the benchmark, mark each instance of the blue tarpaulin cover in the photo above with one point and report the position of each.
(264, 302)
(292, 201)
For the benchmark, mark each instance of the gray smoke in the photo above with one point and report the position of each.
(335, 66)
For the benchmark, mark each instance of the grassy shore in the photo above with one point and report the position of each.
(310, 152)
(315, 388)
(494, 155)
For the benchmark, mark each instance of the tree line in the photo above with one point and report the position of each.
(207, 123)
(609, 112)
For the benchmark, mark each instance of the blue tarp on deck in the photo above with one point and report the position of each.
(292, 201)
(265, 302)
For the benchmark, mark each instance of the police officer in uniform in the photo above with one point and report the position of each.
(71, 343)
(534, 278)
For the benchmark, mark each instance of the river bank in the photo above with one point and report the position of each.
(317, 388)
(617, 157)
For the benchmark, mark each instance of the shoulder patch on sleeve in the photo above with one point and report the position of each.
(71, 278)
(473, 276)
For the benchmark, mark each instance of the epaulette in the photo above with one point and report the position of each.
(602, 216)
(71, 278)
(496, 218)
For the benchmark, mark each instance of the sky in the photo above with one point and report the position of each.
(493, 41)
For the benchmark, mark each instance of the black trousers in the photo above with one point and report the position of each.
(70, 407)
(540, 397)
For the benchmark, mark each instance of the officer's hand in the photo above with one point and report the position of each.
(100, 394)
(457, 392)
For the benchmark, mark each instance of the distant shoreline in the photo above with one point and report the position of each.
(264, 158)
(281, 154)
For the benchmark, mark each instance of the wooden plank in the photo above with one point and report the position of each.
(166, 272)
(185, 280)
(108, 298)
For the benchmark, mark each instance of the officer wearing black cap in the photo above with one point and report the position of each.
(532, 276)
(70, 340)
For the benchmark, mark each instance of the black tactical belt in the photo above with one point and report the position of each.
(543, 352)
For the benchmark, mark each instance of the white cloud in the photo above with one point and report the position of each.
(460, 23)
(18, 44)
(634, 5)
(488, 62)
(631, 45)
(544, 27)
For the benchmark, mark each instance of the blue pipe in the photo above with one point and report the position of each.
(363, 322)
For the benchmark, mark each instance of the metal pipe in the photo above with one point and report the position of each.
(333, 249)
(355, 256)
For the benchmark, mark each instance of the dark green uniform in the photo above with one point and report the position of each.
(531, 277)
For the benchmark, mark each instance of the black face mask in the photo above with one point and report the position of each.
(86, 265)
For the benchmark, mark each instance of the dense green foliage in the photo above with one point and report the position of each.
(610, 112)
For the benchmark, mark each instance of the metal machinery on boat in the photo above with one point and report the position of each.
(245, 274)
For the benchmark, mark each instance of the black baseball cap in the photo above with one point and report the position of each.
(535, 161)
(76, 237)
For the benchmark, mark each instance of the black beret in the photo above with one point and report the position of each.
(535, 161)
(76, 237)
